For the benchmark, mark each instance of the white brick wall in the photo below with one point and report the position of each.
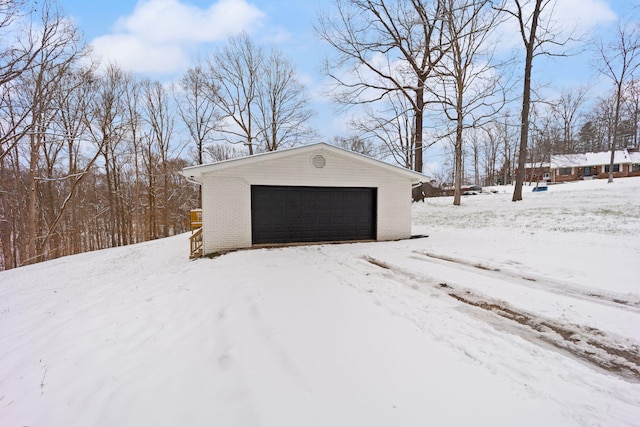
(226, 213)
(394, 210)
(226, 195)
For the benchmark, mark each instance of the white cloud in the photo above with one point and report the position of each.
(170, 20)
(136, 54)
(158, 36)
(584, 14)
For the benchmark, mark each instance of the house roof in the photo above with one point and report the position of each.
(195, 173)
(590, 159)
(538, 165)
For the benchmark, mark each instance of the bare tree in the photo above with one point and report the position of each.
(38, 56)
(391, 124)
(70, 139)
(490, 150)
(220, 152)
(233, 87)
(261, 102)
(11, 210)
(73, 99)
(536, 32)
(507, 133)
(283, 105)
(469, 82)
(545, 137)
(159, 117)
(108, 128)
(17, 53)
(133, 119)
(57, 44)
(476, 147)
(633, 108)
(366, 35)
(357, 145)
(619, 60)
(196, 109)
(566, 109)
(597, 132)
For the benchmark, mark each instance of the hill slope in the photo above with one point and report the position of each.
(507, 314)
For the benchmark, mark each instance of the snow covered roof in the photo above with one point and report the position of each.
(590, 159)
(195, 173)
(567, 160)
(536, 165)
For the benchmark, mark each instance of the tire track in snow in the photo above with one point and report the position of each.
(589, 344)
(586, 343)
(626, 302)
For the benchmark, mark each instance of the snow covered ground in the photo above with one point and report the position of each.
(507, 314)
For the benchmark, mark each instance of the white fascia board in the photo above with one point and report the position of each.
(194, 173)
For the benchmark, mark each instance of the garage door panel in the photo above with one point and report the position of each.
(311, 214)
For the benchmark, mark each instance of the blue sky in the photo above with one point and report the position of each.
(159, 38)
(191, 26)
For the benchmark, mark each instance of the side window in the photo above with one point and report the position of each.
(616, 168)
(564, 171)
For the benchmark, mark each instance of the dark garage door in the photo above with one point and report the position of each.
(312, 214)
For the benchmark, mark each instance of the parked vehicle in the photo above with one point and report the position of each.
(471, 190)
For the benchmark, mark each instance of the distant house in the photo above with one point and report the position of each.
(315, 193)
(572, 167)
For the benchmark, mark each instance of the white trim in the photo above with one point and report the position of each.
(194, 173)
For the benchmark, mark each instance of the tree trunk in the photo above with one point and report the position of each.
(616, 125)
(419, 112)
(458, 165)
(7, 232)
(165, 199)
(524, 128)
(530, 45)
(32, 216)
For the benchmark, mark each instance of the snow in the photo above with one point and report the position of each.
(507, 314)
(589, 159)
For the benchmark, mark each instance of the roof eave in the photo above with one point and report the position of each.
(193, 173)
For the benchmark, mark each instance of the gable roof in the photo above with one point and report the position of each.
(194, 173)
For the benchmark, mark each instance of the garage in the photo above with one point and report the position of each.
(291, 214)
(310, 194)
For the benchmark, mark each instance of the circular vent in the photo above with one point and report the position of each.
(318, 161)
